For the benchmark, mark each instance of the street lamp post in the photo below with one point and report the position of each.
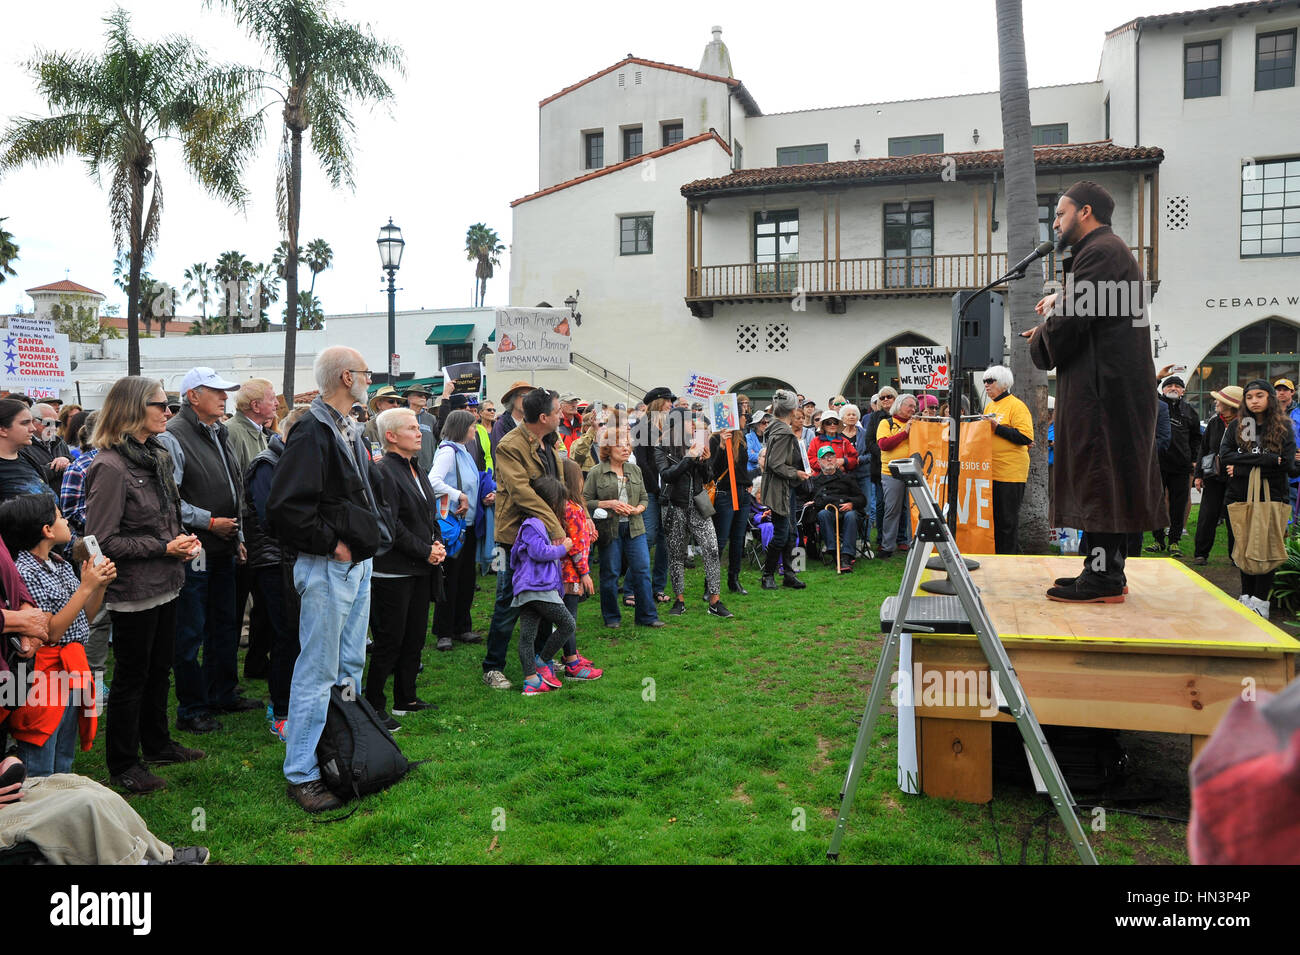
(390, 244)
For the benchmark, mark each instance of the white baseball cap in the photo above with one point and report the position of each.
(206, 378)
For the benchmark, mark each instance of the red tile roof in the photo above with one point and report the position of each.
(65, 286)
(751, 108)
(805, 175)
(626, 163)
(1240, 9)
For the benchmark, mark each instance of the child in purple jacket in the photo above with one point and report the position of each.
(537, 582)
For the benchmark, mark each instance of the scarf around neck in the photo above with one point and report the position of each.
(153, 457)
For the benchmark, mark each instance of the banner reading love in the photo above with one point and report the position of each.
(975, 486)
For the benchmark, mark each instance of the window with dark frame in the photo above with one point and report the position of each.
(1270, 208)
(915, 145)
(595, 149)
(672, 134)
(1051, 134)
(455, 354)
(1275, 60)
(797, 155)
(632, 142)
(909, 244)
(1046, 216)
(636, 235)
(1201, 69)
(776, 250)
(739, 154)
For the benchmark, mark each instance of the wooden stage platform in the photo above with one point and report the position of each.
(1170, 659)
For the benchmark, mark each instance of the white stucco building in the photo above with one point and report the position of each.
(801, 247)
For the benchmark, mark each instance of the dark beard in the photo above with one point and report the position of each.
(1062, 242)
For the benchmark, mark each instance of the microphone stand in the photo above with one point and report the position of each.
(954, 415)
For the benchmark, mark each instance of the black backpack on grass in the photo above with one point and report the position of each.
(357, 755)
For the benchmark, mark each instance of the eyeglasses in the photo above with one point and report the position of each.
(362, 371)
(157, 404)
(990, 381)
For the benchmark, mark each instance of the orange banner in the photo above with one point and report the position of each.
(975, 487)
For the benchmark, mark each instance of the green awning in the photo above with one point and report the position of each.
(493, 336)
(449, 335)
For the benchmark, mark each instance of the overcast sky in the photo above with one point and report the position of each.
(460, 140)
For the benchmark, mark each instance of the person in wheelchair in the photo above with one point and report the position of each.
(838, 497)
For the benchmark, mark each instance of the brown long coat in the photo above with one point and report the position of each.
(1106, 477)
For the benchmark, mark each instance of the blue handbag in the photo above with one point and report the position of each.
(450, 526)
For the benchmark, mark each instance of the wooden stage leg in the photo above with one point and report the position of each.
(957, 759)
(1198, 744)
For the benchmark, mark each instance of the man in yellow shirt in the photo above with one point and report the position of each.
(1013, 433)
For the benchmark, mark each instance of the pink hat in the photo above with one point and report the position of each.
(929, 401)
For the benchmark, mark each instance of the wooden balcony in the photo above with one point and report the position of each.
(835, 281)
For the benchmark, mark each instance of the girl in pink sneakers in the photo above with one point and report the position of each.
(574, 568)
(537, 582)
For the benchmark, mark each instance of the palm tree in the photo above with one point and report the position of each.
(111, 111)
(311, 317)
(234, 274)
(483, 246)
(319, 257)
(143, 299)
(8, 252)
(265, 280)
(320, 66)
(1022, 233)
(198, 284)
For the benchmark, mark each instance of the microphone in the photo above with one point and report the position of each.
(1044, 247)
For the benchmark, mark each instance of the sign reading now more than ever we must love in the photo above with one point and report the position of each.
(35, 358)
(533, 339)
(923, 368)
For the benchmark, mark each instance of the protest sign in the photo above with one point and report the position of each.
(724, 413)
(974, 487)
(466, 376)
(702, 386)
(532, 339)
(35, 358)
(923, 368)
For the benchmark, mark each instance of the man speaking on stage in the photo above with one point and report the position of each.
(1106, 479)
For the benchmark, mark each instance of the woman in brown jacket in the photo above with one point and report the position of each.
(133, 509)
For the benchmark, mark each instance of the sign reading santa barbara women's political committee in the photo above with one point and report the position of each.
(923, 368)
(35, 359)
(533, 339)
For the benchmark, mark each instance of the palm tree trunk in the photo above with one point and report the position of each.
(133, 279)
(1022, 236)
(291, 263)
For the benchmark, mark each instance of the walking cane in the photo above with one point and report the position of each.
(832, 507)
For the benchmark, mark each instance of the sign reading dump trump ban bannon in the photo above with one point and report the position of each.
(533, 339)
(35, 359)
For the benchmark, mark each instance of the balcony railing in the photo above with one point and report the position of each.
(910, 275)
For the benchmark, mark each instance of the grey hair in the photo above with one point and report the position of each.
(387, 421)
(458, 425)
(292, 418)
(783, 403)
(886, 392)
(1002, 375)
(845, 409)
(329, 366)
(903, 400)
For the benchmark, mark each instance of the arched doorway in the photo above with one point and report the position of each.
(759, 390)
(1268, 349)
(877, 369)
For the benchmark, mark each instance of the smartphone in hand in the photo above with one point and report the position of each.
(92, 548)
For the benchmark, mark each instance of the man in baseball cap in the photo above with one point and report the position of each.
(211, 487)
(570, 421)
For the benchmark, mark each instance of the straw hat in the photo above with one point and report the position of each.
(1230, 395)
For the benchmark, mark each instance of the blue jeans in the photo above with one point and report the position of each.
(205, 620)
(848, 532)
(731, 525)
(504, 616)
(613, 551)
(332, 651)
(656, 538)
(55, 755)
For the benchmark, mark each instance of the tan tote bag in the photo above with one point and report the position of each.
(1258, 528)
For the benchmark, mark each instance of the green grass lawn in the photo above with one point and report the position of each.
(706, 741)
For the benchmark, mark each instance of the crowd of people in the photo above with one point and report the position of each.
(162, 522)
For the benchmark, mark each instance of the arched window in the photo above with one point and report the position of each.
(877, 369)
(759, 391)
(1268, 349)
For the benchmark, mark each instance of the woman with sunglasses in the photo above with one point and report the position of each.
(1013, 435)
(134, 509)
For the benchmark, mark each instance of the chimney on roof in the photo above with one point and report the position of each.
(716, 60)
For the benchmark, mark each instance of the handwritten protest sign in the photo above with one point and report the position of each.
(35, 358)
(923, 368)
(533, 339)
(703, 386)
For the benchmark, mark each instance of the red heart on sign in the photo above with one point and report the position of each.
(941, 369)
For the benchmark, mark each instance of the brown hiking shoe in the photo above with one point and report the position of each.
(174, 753)
(137, 779)
(313, 796)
